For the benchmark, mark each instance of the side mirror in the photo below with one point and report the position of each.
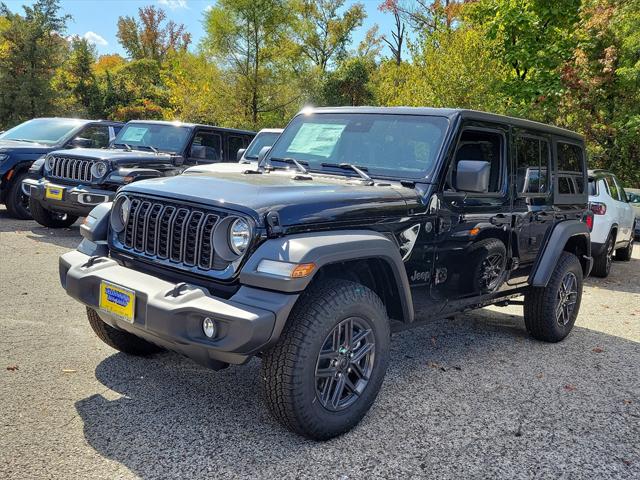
(473, 176)
(263, 153)
(80, 142)
(240, 153)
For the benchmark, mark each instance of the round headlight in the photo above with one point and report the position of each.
(99, 169)
(120, 213)
(49, 163)
(239, 236)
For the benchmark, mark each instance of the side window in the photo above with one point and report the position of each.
(206, 147)
(570, 164)
(613, 188)
(234, 143)
(532, 165)
(621, 193)
(483, 146)
(97, 134)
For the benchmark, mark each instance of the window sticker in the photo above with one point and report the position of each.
(317, 139)
(134, 134)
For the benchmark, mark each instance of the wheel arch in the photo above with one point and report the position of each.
(365, 256)
(568, 236)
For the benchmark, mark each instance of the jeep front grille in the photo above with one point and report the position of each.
(68, 168)
(174, 233)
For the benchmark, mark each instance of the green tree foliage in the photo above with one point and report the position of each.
(32, 49)
(148, 37)
(349, 84)
(250, 38)
(324, 29)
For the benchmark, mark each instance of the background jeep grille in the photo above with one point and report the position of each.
(68, 168)
(179, 234)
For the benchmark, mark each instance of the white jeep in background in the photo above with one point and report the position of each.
(613, 221)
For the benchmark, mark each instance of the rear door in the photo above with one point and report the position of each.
(532, 198)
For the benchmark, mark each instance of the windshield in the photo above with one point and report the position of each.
(47, 131)
(264, 139)
(400, 146)
(153, 136)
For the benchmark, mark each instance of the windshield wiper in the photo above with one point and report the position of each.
(127, 147)
(355, 168)
(299, 165)
(22, 140)
(153, 149)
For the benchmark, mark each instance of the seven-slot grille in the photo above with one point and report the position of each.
(174, 232)
(69, 168)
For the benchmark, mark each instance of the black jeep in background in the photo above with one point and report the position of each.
(22, 145)
(359, 222)
(68, 184)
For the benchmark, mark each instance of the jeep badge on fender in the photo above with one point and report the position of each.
(310, 258)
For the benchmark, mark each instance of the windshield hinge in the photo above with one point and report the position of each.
(273, 224)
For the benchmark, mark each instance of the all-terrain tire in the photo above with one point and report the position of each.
(119, 339)
(16, 201)
(624, 254)
(289, 368)
(602, 262)
(50, 219)
(541, 304)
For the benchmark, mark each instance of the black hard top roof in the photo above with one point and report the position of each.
(194, 125)
(452, 113)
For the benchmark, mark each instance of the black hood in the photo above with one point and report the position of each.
(325, 198)
(119, 157)
(18, 147)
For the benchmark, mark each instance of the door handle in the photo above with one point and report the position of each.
(500, 219)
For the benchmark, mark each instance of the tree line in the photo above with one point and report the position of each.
(572, 63)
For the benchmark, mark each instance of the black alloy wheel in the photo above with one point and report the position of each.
(344, 364)
(567, 298)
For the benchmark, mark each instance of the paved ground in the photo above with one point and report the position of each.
(472, 397)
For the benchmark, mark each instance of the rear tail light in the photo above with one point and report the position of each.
(588, 219)
(598, 208)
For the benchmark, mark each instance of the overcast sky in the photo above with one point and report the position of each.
(96, 20)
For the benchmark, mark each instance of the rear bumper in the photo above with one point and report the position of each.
(246, 322)
(76, 200)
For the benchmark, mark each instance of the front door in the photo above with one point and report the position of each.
(474, 227)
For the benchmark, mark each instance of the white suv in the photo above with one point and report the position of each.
(612, 224)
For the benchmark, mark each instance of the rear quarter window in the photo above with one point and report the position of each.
(570, 179)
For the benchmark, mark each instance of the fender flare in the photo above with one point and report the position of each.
(325, 248)
(547, 260)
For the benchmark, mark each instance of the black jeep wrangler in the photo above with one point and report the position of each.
(67, 184)
(360, 221)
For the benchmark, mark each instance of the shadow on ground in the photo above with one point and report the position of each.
(462, 397)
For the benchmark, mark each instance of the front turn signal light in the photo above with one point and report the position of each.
(303, 270)
(286, 269)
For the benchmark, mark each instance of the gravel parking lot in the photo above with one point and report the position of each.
(472, 397)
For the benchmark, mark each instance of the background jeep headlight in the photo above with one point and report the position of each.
(99, 169)
(49, 163)
(120, 213)
(239, 236)
(3, 157)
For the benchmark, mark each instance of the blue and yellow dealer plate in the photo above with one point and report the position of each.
(54, 193)
(117, 300)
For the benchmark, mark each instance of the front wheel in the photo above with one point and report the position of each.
(16, 201)
(50, 219)
(550, 312)
(325, 372)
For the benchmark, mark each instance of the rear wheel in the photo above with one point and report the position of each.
(16, 201)
(119, 339)
(624, 254)
(325, 372)
(550, 312)
(50, 219)
(602, 263)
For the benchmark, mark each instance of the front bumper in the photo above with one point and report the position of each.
(246, 322)
(76, 200)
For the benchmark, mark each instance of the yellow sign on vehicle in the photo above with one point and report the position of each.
(54, 193)
(118, 301)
